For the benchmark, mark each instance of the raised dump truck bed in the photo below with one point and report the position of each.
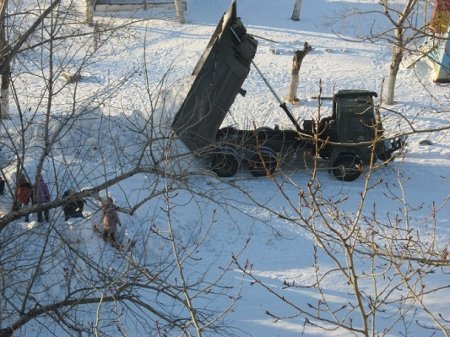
(219, 75)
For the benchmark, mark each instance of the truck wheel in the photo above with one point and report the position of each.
(347, 167)
(224, 162)
(263, 163)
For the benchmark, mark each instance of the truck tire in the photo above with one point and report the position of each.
(347, 167)
(224, 161)
(263, 162)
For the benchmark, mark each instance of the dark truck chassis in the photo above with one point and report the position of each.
(350, 139)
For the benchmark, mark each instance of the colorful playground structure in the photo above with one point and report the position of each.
(439, 41)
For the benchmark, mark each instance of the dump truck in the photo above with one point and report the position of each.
(350, 139)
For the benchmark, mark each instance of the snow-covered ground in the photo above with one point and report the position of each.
(256, 221)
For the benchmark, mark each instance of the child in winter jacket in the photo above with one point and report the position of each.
(42, 196)
(72, 208)
(24, 192)
(110, 219)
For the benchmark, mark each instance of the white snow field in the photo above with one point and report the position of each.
(265, 223)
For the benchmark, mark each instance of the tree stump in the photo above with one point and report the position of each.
(296, 12)
(297, 60)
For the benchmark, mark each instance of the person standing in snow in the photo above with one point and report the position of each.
(72, 208)
(42, 196)
(24, 192)
(110, 219)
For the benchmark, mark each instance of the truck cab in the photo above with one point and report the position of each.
(352, 137)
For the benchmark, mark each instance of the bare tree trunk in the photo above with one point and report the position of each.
(5, 64)
(397, 53)
(7, 52)
(292, 94)
(4, 93)
(296, 12)
(90, 12)
(296, 64)
(179, 8)
(397, 56)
